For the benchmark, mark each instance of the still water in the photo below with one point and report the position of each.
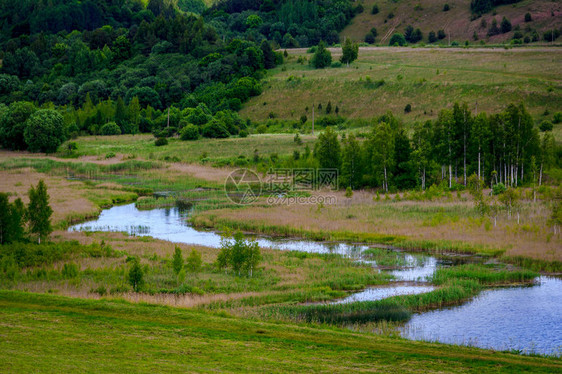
(528, 319)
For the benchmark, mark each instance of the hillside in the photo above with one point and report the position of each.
(388, 78)
(429, 16)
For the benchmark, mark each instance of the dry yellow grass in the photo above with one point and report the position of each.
(67, 197)
(449, 220)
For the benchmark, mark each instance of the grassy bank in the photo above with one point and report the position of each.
(446, 224)
(455, 285)
(117, 336)
(96, 264)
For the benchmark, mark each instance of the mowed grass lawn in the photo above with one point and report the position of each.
(429, 79)
(44, 333)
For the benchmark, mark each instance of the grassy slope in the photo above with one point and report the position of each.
(455, 22)
(428, 79)
(43, 333)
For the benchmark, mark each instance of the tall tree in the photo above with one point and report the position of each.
(350, 52)
(322, 58)
(547, 154)
(403, 171)
(44, 131)
(383, 151)
(39, 212)
(463, 123)
(351, 170)
(177, 262)
(480, 138)
(268, 55)
(421, 154)
(444, 138)
(5, 218)
(134, 114)
(327, 150)
(121, 115)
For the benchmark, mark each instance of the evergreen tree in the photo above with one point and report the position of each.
(134, 114)
(404, 174)
(322, 57)
(136, 276)
(268, 55)
(16, 227)
(177, 261)
(121, 116)
(39, 212)
(5, 218)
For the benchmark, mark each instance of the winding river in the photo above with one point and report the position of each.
(525, 319)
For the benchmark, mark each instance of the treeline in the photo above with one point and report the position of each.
(500, 148)
(289, 23)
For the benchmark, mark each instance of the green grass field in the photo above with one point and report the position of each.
(202, 150)
(429, 79)
(43, 333)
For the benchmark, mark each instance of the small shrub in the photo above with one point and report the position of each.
(189, 132)
(446, 7)
(159, 142)
(243, 134)
(215, 129)
(375, 9)
(194, 262)
(498, 189)
(110, 128)
(397, 40)
(546, 126)
(408, 108)
(557, 117)
(69, 271)
(528, 17)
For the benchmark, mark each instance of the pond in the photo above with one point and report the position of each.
(527, 319)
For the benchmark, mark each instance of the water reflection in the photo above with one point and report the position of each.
(527, 319)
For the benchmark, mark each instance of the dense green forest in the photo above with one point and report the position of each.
(99, 62)
(289, 23)
(115, 67)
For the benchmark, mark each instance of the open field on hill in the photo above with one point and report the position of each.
(429, 16)
(430, 79)
(144, 338)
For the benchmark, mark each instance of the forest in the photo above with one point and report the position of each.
(107, 55)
